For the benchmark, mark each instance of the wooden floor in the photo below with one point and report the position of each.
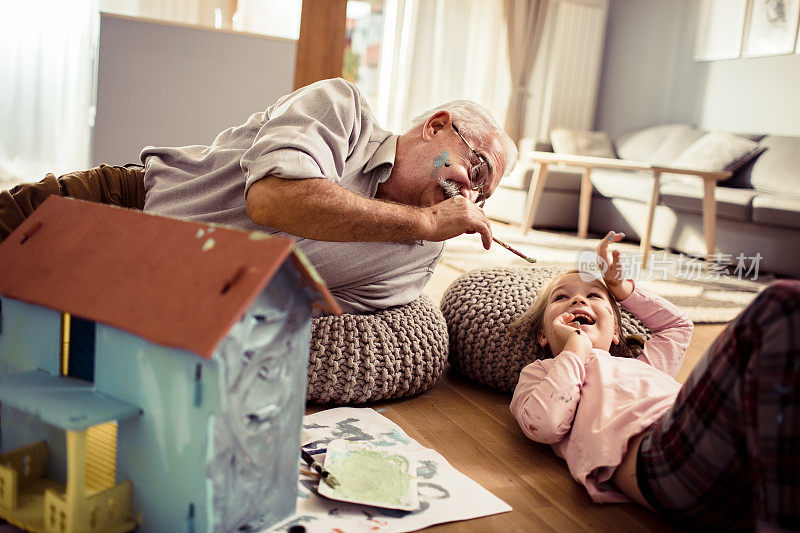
(473, 429)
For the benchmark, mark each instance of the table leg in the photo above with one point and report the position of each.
(709, 215)
(644, 247)
(534, 196)
(585, 203)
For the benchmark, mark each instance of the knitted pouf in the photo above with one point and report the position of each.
(480, 306)
(392, 353)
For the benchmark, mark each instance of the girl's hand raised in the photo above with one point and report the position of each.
(611, 267)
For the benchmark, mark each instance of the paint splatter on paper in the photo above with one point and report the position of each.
(445, 494)
(371, 475)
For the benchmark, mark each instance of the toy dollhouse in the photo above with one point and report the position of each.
(177, 404)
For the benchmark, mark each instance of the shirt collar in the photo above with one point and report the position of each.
(384, 155)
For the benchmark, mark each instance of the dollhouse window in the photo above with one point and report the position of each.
(78, 347)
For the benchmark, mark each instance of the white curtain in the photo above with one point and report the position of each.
(439, 50)
(46, 86)
(525, 20)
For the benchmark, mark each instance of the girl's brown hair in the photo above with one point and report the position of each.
(531, 322)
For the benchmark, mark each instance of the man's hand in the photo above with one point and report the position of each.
(455, 216)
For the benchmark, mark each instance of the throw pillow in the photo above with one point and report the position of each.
(718, 151)
(679, 138)
(642, 144)
(575, 142)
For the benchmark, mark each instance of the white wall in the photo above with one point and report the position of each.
(760, 95)
(164, 84)
(649, 76)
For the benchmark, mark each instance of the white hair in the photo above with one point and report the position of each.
(474, 122)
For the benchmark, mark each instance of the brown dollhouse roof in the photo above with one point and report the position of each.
(175, 283)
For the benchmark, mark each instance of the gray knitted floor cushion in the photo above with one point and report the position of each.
(392, 353)
(480, 306)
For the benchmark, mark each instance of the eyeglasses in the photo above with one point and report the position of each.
(476, 177)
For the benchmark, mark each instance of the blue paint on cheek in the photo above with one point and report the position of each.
(438, 161)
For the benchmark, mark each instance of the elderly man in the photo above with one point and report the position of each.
(370, 209)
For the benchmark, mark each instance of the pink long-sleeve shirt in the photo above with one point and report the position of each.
(589, 411)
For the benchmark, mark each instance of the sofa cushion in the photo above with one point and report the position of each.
(777, 170)
(718, 151)
(679, 138)
(778, 210)
(558, 179)
(733, 204)
(622, 184)
(579, 142)
(563, 180)
(643, 144)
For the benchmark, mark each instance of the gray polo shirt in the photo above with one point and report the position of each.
(325, 130)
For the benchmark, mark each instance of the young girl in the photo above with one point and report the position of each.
(723, 450)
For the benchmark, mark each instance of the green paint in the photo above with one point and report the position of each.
(370, 476)
(208, 245)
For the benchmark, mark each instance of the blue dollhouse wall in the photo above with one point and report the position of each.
(162, 451)
(30, 339)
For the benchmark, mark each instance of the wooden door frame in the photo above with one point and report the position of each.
(320, 47)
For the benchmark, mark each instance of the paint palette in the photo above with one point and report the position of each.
(371, 475)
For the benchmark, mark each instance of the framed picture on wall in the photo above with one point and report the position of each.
(771, 27)
(720, 25)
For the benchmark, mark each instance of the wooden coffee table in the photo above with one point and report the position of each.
(540, 161)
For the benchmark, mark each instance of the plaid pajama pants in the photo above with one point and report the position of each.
(728, 452)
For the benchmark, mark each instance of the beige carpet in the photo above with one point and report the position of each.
(707, 297)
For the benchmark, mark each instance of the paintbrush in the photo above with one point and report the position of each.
(324, 474)
(514, 250)
(450, 189)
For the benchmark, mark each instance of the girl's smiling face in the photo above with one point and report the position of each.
(590, 310)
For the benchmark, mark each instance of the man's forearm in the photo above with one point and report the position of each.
(321, 210)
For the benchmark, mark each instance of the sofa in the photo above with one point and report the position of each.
(758, 207)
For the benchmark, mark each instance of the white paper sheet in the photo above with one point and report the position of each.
(446, 495)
